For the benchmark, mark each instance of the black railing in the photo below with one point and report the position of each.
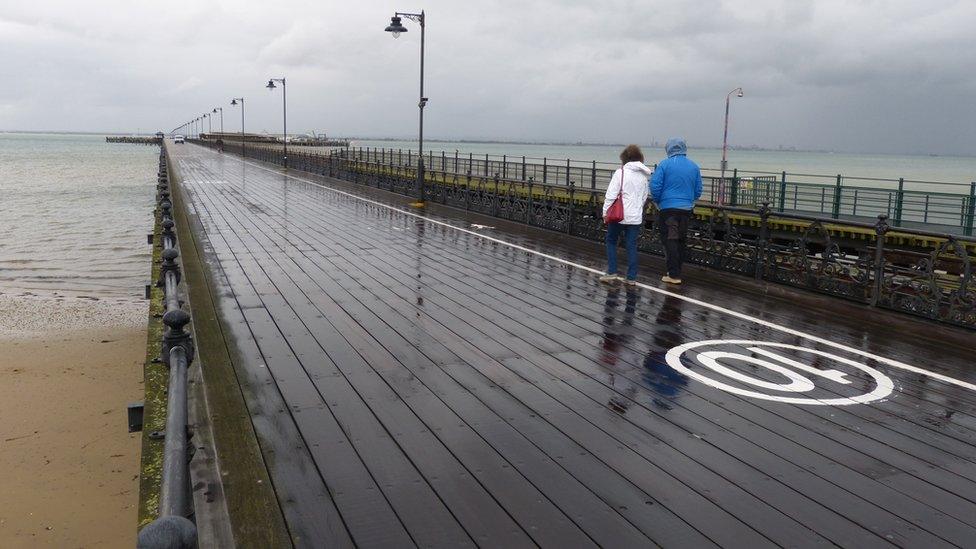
(916, 271)
(173, 528)
(951, 207)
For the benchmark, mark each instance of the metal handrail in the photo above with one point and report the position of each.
(173, 528)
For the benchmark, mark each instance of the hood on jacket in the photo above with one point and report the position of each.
(675, 146)
(637, 166)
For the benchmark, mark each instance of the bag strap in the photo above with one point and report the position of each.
(621, 193)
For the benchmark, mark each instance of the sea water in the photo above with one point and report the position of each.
(74, 215)
(948, 173)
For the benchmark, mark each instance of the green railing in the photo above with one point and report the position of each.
(933, 205)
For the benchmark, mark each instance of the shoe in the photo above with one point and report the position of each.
(609, 278)
(667, 279)
(630, 282)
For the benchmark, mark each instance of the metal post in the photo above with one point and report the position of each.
(725, 140)
(523, 167)
(544, 170)
(972, 209)
(422, 104)
(899, 201)
(243, 136)
(782, 192)
(764, 212)
(734, 194)
(593, 176)
(836, 210)
(880, 229)
(284, 117)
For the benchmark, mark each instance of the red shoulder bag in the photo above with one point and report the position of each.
(615, 213)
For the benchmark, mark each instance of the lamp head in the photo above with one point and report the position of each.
(271, 85)
(233, 101)
(396, 27)
(215, 110)
(740, 94)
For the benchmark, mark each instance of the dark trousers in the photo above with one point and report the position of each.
(630, 232)
(673, 227)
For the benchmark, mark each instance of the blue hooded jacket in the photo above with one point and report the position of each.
(676, 182)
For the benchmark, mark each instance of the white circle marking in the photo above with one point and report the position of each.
(798, 382)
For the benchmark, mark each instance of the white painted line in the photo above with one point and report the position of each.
(784, 329)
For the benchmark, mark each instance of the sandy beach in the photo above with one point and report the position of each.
(68, 466)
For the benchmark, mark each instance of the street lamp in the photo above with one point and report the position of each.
(396, 28)
(284, 111)
(221, 109)
(725, 137)
(234, 101)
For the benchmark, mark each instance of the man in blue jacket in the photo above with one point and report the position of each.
(675, 186)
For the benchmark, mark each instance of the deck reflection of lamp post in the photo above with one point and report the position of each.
(725, 140)
(234, 101)
(221, 109)
(284, 112)
(396, 27)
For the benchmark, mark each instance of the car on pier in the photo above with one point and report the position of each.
(178, 139)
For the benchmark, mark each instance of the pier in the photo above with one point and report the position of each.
(158, 140)
(381, 375)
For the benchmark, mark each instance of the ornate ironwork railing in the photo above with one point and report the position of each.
(924, 273)
(951, 207)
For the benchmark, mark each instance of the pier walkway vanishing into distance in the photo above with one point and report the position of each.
(437, 378)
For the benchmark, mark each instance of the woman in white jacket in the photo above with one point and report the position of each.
(630, 184)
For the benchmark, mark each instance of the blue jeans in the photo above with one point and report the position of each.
(631, 233)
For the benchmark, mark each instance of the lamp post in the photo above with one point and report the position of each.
(234, 101)
(284, 112)
(221, 109)
(396, 27)
(725, 139)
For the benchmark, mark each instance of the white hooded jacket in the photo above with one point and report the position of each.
(634, 191)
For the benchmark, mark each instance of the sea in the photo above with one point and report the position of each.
(74, 215)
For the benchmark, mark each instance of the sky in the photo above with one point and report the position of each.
(852, 75)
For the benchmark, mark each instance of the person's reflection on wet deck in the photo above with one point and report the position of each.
(617, 332)
(661, 378)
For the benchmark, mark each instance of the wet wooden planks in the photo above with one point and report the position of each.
(446, 390)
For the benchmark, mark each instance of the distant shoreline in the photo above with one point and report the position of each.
(539, 143)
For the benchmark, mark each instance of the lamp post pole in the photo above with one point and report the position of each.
(396, 27)
(725, 140)
(284, 112)
(234, 101)
(221, 109)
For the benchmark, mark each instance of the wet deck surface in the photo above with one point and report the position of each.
(416, 384)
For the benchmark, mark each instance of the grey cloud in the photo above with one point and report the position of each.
(878, 75)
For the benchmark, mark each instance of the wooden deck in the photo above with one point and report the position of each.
(414, 379)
